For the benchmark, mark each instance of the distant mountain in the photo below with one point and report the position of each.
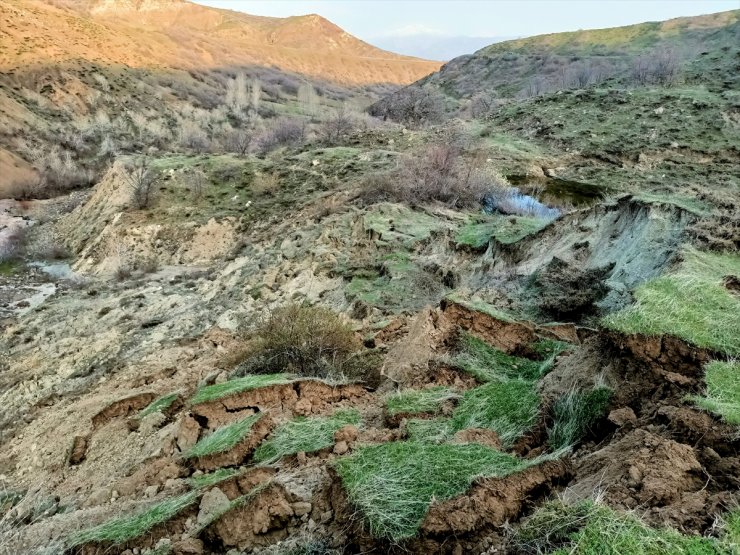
(177, 33)
(575, 59)
(432, 46)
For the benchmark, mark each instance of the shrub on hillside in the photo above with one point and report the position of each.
(412, 106)
(311, 341)
(440, 173)
(336, 128)
(283, 132)
(142, 180)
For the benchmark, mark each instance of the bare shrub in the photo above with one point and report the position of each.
(661, 67)
(412, 106)
(238, 141)
(142, 179)
(311, 341)
(59, 171)
(337, 127)
(12, 244)
(192, 136)
(283, 132)
(197, 181)
(266, 184)
(308, 99)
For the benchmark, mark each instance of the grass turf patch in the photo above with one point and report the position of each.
(690, 302)
(430, 430)
(223, 438)
(239, 385)
(722, 396)
(304, 435)
(504, 229)
(120, 530)
(394, 483)
(212, 478)
(483, 307)
(590, 528)
(574, 414)
(414, 401)
(510, 408)
(486, 363)
(159, 405)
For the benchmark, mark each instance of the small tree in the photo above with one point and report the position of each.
(334, 129)
(142, 180)
(238, 141)
(308, 98)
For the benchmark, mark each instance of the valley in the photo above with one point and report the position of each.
(468, 314)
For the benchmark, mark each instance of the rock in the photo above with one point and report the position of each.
(213, 502)
(188, 546)
(348, 433)
(622, 416)
(151, 491)
(77, 450)
(97, 497)
(341, 448)
(659, 110)
(188, 433)
(301, 508)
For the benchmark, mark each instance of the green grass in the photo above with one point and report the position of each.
(481, 306)
(574, 414)
(121, 530)
(212, 478)
(722, 396)
(590, 528)
(8, 267)
(223, 439)
(236, 503)
(510, 408)
(690, 204)
(429, 430)
(731, 532)
(159, 405)
(394, 483)
(504, 229)
(304, 435)
(239, 385)
(486, 363)
(690, 303)
(414, 401)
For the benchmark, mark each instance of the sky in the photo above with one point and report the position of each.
(368, 19)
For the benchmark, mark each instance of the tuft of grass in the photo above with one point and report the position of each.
(510, 408)
(304, 435)
(415, 401)
(574, 414)
(239, 385)
(223, 438)
(121, 530)
(483, 307)
(690, 302)
(212, 478)
(731, 531)
(486, 363)
(234, 504)
(722, 396)
(687, 203)
(393, 484)
(590, 528)
(430, 430)
(159, 405)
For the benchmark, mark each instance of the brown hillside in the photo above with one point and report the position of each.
(179, 34)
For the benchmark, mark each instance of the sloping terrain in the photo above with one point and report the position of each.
(486, 335)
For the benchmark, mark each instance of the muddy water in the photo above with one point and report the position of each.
(558, 192)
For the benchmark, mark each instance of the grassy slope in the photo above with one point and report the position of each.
(690, 302)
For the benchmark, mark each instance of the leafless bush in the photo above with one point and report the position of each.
(142, 179)
(661, 67)
(440, 173)
(284, 132)
(238, 141)
(482, 104)
(12, 244)
(412, 106)
(192, 136)
(266, 184)
(197, 182)
(59, 171)
(333, 130)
